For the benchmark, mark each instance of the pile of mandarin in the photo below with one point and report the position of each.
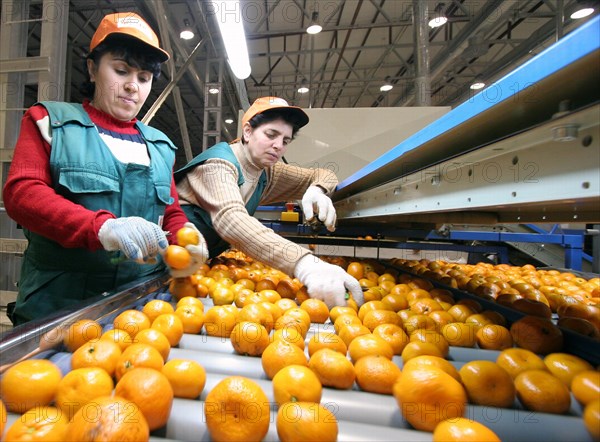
(397, 343)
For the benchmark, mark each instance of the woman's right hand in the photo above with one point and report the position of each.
(327, 282)
(138, 239)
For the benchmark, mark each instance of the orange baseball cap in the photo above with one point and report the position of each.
(263, 104)
(128, 23)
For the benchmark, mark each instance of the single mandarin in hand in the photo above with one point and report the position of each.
(177, 257)
(187, 236)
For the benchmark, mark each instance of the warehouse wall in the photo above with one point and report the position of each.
(345, 140)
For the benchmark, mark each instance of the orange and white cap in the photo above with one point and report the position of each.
(131, 24)
(263, 104)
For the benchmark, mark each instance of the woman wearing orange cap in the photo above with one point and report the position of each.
(221, 188)
(91, 185)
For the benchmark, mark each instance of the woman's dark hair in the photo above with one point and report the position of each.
(267, 116)
(130, 49)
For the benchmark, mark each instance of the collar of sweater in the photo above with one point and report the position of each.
(250, 170)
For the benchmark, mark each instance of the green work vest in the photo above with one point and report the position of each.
(85, 172)
(198, 215)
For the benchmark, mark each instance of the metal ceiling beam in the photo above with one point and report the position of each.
(540, 35)
(344, 44)
(457, 45)
(166, 39)
(354, 27)
(167, 90)
(421, 40)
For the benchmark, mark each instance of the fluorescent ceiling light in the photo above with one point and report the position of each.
(438, 21)
(314, 27)
(581, 13)
(477, 85)
(386, 87)
(186, 34)
(229, 18)
(438, 18)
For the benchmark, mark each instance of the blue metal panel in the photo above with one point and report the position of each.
(581, 42)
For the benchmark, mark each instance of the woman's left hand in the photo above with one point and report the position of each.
(199, 255)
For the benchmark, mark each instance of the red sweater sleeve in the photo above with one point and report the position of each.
(174, 217)
(31, 201)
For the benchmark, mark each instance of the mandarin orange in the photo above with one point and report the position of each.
(585, 386)
(187, 377)
(429, 395)
(376, 374)
(108, 419)
(40, 423)
(151, 391)
(462, 429)
(237, 410)
(487, 384)
(249, 338)
(279, 354)
(132, 321)
(81, 385)
(295, 383)
(156, 339)
(333, 369)
(138, 355)
(324, 339)
(539, 390)
(28, 383)
(80, 332)
(306, 422)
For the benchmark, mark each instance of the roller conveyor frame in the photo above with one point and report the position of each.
(362, 416)
(28, 338)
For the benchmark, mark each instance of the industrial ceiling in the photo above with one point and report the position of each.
(363, 44)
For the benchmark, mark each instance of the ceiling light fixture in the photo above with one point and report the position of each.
(213, 90)
(231, 26)
(314, 27)
(438, 18)
(228, 120)
(476, 85)
(581, 13)
(387, 86)
(186, 33)
(303, 89)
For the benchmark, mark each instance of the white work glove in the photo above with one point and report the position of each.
(138, 239)
(199, 255)
(316, 202)
(327, 282)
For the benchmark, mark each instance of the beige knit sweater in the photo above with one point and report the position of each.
(213, 186)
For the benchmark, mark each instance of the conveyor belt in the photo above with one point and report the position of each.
(362, 416)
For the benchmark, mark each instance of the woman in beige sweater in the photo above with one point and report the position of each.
(220, 189)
